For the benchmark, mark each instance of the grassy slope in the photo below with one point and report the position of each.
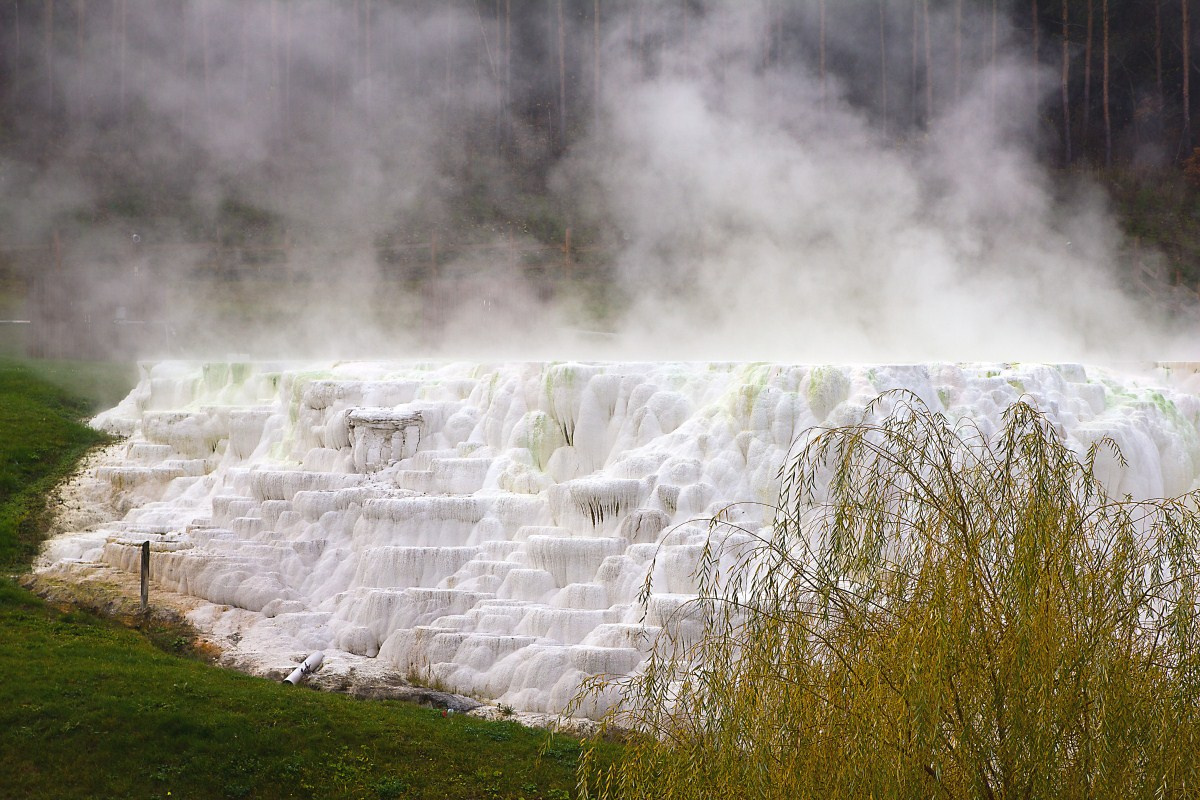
(90, 385)
(40, 440)
(91, 709)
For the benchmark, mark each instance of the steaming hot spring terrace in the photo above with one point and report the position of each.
(488, 527)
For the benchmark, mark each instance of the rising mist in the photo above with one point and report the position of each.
(744, 181)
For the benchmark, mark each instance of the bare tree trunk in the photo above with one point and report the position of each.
(507, 71)
(368, 66)
(501, 73)
(641, 39)
(1104, 89)
(824, 77)
(1160, 97)
(81, 105)
(355, 44)
(391, 57)
(1187, 78)
(288, 10)
(449, 80)
(767, 33)
(596, 64)
(1087, 76)
(928, 64)
(915, 89)
(123, 47)
(995, 56)
(562, 77)
(687, 47)
(204, 57)
(275, 105)
(883, 70)
(15, 86)
(246, 59)
(1066, 84)
(48, 30)
(183, 48)
(1037, 57)
(958, 19)
(1158, 63)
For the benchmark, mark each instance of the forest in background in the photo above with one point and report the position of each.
(515, 84)
(417, 123)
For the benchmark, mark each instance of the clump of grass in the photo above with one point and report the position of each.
(935, 613)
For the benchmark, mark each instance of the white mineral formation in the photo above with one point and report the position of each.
(486, 528)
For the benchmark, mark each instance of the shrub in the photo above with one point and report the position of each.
(934, 613)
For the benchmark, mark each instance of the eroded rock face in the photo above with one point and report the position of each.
(486, 528)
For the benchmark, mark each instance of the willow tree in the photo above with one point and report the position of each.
(935, 613)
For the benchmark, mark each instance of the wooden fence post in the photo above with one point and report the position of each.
(145, 576)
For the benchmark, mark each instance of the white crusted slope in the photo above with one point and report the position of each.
(486, 527)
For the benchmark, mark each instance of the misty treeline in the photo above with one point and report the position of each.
(389, 117)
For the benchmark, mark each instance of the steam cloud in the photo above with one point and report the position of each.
(755, 208)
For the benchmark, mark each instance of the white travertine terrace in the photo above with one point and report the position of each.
(487, 527)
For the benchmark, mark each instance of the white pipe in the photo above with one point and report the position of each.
(310, 665)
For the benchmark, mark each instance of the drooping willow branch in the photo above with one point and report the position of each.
(933, 611)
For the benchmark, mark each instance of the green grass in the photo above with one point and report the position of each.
(89, 708)
(40, 441)
(91, 386)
